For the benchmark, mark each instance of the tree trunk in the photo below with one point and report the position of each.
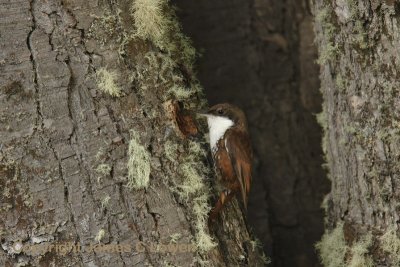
(99, 146)
(358, 52)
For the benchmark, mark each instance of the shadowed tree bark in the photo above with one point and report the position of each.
(358, 51)
(98, 141)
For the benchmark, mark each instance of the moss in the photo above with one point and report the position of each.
(390, 243)
(104, 169)
(359, 252)
(138, 163)
(107, 82)
(332, 248)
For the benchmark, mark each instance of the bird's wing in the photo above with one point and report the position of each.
(238, 146)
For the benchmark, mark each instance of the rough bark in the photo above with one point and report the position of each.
(358, 45)
(261, 56)
(65, 144)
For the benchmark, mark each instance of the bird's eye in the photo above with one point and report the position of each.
(220, 111)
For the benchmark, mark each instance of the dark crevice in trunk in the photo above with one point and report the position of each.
(261, 57)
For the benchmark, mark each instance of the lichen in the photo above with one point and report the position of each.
(104, 27)
(174, 237)
(327, 53)
(360, 35)
(171, 150)
(340, 82)
(192, 180)
(390, 243)
(105, 201)
(327, 49)
(107, 82)
(104, 169)
(138, 163)
(322, 119)
(157, 22)
(204, 241)
(100, 235)
(192, 190)
(180, 93)
(332, 248)
(150, 21)
(266, 260)
(359, 252)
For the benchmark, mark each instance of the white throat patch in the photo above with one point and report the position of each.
(217, 126)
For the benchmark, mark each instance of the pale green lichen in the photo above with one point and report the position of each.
(180, 93)
(324, 18)
(174, 237)
(255, 244)
(192, 180)
(359, 252)
(138, 163)
(104, 169)
(332, 248)
(266, 260)
(204, 241)
(100, 235)
(390, 243)
(107, 82)
(105, 201)
(360, 35)
(150, 20)
(192, 189)
(327, 49)
(104, 27)
(340, 82)
(157, 22)
(171, 150)
(322, 119)
(327, 53)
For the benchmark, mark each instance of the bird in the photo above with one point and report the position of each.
(231, 152)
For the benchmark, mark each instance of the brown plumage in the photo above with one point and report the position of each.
(232, 153)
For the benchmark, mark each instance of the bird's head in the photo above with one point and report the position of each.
(221, 117)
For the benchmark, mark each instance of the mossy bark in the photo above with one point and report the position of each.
(358, 44)
(64, 143)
